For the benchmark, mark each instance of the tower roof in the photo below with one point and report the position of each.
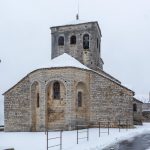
(75, 22)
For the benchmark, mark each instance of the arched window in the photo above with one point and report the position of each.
(86, 41)
(97, 43)
(61, 41)
(134, 107)
(56, 90)
(38, 100)
(79, 99)
(73, 39)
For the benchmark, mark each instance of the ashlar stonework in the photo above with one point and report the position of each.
(59, 97)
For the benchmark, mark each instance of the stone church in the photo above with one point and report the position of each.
(74, 88)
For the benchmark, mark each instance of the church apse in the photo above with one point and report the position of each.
(56, 102)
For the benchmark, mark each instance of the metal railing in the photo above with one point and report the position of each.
(80, 130)
(99, 126)
(54, 138)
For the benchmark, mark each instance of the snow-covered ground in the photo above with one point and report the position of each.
(37, 140)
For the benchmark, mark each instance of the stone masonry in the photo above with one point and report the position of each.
(104, 99)
(59, 97)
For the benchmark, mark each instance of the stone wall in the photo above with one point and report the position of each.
(137, 112)
(110, 101)
(64, 113)
(103, 100)
(17, 107)
(146, 112)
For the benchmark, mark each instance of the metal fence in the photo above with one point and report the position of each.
(82, 132)
(123, 124)
(107, 127)
(54, 138)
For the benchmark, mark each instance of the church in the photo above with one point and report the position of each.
(73, 89)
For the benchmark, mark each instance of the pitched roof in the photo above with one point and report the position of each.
(66, 60)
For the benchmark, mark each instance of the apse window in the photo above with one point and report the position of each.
(61, 41)
(56, 90)
(79, 99)
(38, 100)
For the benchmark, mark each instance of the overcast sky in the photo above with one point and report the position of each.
(25, 37)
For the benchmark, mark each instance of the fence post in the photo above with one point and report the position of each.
(47, 138)
(87, 133)
(77, 133)
(108, 127)
(61, 140)
(119, 125)
(99, 128)
(127, 125)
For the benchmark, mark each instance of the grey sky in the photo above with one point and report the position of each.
(25, 38)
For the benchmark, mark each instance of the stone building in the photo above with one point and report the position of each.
(137, 111)
(74, 88)
(146, 112)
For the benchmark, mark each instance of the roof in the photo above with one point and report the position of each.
(137, 100)
(77, 22)
(65, 60)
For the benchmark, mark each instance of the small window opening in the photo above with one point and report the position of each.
(38, 100)
(56, 90)
(134, 107)
(79, 99)
(73, 40)
(61, 41)
(86, 41)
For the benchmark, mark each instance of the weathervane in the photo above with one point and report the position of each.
(77, 15)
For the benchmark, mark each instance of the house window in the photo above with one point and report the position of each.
(134, 107)
(61, 41)
(79, 99)
(56, 90)
(86, 41)
(73, 39)
(38, 100)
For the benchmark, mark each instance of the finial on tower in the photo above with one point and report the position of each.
(77, 16)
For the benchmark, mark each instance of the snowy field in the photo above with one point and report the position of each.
(37, 140)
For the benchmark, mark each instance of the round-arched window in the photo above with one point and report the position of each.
(61, 41)
(86, 41)
(73, 39)
(56, 90)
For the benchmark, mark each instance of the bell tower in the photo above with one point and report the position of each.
(80, 40)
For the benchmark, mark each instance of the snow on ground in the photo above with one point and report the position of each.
(37, 140)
